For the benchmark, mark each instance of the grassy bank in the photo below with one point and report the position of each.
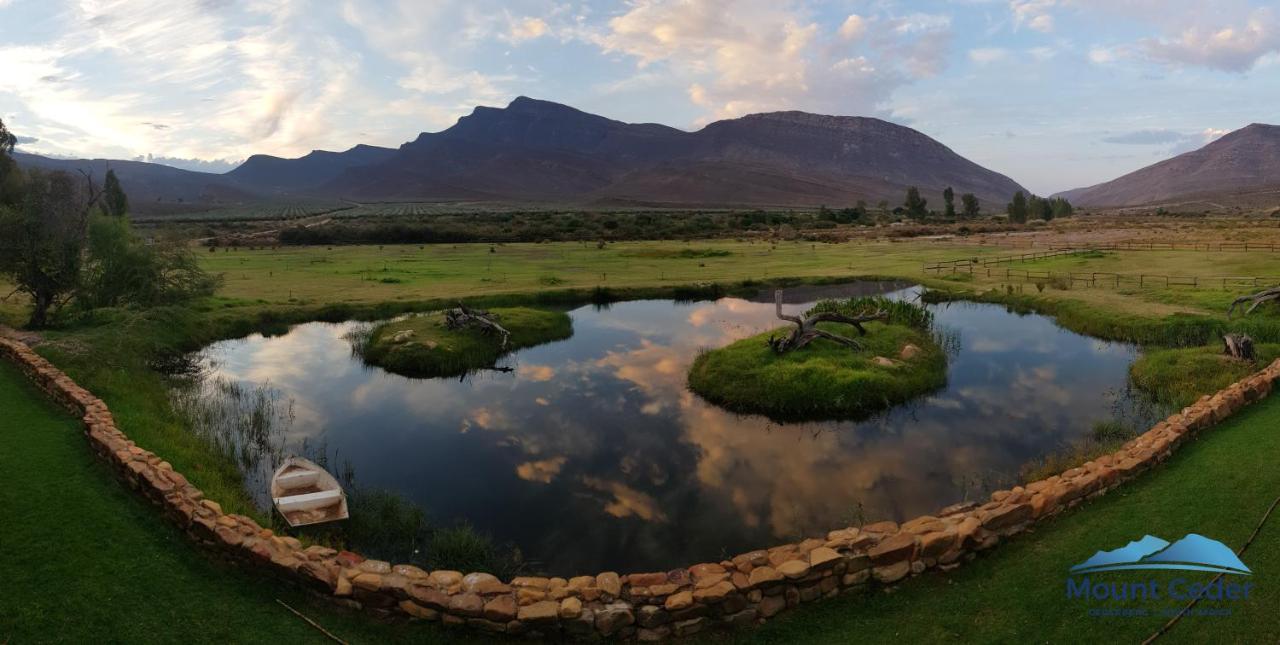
(87, 559)
(1178, 377)
(422, 346)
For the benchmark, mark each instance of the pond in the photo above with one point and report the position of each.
(592, 455)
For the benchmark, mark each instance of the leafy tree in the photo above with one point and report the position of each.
(1039, 208)
(122, 269)
(1061, 207)
(1017, 208)
(10, 178)
(114, 201)
(949, 198)
(1044, 208)
(42, 241)
(916, 206)
(969, 202)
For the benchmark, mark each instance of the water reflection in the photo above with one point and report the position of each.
(593, 455)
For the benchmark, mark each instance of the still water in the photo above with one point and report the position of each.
(592, 455)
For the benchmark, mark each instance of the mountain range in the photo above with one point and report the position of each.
(539, 151)
(1241, 162)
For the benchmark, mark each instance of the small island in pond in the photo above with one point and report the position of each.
(460, 340)
(816, 370)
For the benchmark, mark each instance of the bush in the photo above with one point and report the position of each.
(122, 269)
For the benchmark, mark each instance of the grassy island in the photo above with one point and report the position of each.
(898, 360)
(424, 346)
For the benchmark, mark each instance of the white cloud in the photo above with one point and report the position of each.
(527, 29)
(1230, 47)
(1104, 55)
(1033, 13)
(853, 27)
(756, 55)
(984, 55)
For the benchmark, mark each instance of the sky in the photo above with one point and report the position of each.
(1054, 93)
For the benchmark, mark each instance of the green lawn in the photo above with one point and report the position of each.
(1218, 486)
(86, 560)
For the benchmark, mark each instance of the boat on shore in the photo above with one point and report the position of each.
(305, 494)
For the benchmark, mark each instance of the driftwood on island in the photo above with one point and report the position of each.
(462, 317)
(1257, 299)
(807, 331)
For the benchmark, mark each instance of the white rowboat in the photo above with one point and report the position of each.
(305, 493)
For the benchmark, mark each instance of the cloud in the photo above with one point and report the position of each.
(527, 29)
(1034, 14)
(734, 58)
(853, 27)
(541, 471)
(1146, 137)
(198, 165)
(1177, 142)
(1105, 55)
(1231, 47)
(984, 55)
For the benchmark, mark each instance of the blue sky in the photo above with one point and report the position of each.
(1054, 93)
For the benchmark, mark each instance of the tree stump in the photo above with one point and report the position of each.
(1238, 346)
(806, 330)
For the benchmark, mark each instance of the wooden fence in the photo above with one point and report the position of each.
(1102, 278)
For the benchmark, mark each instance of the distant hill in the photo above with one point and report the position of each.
(1244, 161)
(269, 174)
(152, 187)
(538, 150)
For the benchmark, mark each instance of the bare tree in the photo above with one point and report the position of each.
(807, 331)
(463, 316)
(1266, 295)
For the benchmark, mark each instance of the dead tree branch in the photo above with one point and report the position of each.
(1266, 295)
(463, 316)
(806, 330)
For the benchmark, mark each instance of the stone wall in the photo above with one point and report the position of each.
(743, 590)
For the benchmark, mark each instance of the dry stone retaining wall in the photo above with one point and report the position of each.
(743, 590)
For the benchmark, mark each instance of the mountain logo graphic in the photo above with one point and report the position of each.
(1192, 553)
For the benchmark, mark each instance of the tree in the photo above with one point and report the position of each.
(970, 205)
(1039, 208)
(915, 205)
(42, 241)
(1061, 207)
(10, 178)
(1017, 208)
(949, 198)
(121, 269)
(114, 201)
